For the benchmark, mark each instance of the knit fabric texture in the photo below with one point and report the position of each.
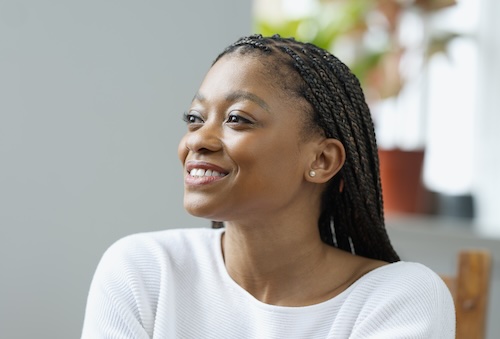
(173, 284)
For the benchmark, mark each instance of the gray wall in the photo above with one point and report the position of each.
(91, 97)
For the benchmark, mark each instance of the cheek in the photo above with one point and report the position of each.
(268, 156)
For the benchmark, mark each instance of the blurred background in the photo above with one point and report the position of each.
(426, 68)
(91, 99)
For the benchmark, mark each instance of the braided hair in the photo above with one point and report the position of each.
(352, 216)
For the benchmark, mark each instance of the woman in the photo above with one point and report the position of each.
(280, 152)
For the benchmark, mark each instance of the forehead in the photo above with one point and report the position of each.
(257, 72)
(241, 69)
(235, 79)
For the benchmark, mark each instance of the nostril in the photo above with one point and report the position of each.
(203, 143)
(205, 137)
(204, 150)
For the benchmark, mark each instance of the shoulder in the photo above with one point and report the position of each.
(150, 256)
(138, 275)
(146, 249)
(405, 276)
(404, 282)
(135, 272)
(402, 271)
(407, 297)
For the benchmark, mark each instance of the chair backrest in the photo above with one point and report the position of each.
(470, 290)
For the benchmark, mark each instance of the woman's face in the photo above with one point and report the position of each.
(244, 152)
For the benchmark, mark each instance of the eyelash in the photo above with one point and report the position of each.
(189, 118)
(240, 119)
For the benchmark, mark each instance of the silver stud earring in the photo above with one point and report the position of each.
(312, 174)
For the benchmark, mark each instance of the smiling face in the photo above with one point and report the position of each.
(244, 153)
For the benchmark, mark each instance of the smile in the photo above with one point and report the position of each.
(199, 172)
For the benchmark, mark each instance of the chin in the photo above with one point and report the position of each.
(201, 210)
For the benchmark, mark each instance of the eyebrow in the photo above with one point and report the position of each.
(238, 95)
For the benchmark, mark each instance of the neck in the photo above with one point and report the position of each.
(275, 264)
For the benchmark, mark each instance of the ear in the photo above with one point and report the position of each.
(328, 160)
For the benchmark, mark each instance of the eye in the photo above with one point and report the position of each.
(234, 118)
(192, 118)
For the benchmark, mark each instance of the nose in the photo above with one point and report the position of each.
(205, 139)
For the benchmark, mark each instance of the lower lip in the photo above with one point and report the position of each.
(200, 181)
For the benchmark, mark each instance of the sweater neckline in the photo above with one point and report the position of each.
(244, 294)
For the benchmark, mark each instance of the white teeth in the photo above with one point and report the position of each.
(198, 172)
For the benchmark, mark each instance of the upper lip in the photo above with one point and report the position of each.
(190, 165)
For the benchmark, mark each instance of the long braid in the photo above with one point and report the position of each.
(352, 216)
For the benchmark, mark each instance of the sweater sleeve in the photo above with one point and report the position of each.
(414, 304)
(121, 300)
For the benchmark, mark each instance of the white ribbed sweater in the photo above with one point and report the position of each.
(173, 284)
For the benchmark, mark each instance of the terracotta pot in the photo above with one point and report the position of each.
(401, 176)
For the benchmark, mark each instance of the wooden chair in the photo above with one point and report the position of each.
(470, 290)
